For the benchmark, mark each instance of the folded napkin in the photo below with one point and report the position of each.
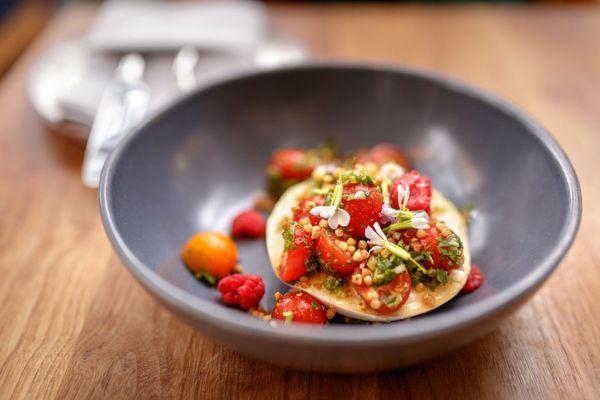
(231, 26)
(229, 35)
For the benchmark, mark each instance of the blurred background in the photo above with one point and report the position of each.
(22, 20)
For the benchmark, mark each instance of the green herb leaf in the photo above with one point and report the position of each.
(442, 276)
(288, 237)
(333, 283)
(315, 305)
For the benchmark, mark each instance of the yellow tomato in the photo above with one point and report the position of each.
(210, 252)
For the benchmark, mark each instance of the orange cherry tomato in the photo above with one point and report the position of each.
(210, 252)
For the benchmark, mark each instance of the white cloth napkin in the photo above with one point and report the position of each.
(229, 35)
(231, 26)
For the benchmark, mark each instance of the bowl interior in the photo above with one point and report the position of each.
(193, 167)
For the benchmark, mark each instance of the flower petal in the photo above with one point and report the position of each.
(333, 222)
(375, 248)
(343, 217)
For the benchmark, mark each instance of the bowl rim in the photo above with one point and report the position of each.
(418, 329)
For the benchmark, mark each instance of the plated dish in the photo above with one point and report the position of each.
(364, 236)
(189, 169)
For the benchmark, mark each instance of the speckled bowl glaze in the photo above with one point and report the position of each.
(202, 159)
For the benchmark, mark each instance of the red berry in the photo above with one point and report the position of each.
(291, 163)
(474, 281)
(419, 191)
(249, 224)
(299, 307)
(242, 290)
(385, 152)
(364, 211)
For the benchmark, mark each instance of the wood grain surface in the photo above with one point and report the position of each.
(75, 324)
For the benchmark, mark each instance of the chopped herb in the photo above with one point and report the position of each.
(451, 247)
(289, 316)
(384, 271)
(422, 256)
(288, 237)
(355, 177)
(442, 276)
(315, 305)
(333, 284)
(312, 265)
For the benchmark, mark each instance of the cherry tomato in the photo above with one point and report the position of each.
(429, 241)
(385, 152)
(306, 205)
(210, 252)
(364, 211)
(299, 307)
(295, 259)
(290, 164)
(387, 295)
(333, 258)
(419, 191)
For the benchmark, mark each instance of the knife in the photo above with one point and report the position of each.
(123, 105)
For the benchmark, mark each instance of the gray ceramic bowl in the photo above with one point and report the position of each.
(196, 163)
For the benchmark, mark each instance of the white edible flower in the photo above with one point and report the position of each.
(376, 237)
(334, 215)
(420, 220)
(391, 171)
(388, 214)
(403, 195)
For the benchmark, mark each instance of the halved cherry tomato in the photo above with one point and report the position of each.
(385, 152)
(295, 259)
(364, 210)
(290, 163)
(390, 296)
(306, 205)
(419, 191)
(299, 307)
(430, 242)
(333, 258)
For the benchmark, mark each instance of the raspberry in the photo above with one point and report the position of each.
(419, 191)
(249, 224)
(474, 281)
(242, 290)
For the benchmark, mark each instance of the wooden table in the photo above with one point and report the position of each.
(75, 324)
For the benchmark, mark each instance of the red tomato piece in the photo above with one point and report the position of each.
(364, 211)
(474, 281)
(306, 205)
(291, 164)
(331, 257)
(419, 188)
(299, 307)
(391, 296)
(296, 258)
(441, 257)
(385, 152)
